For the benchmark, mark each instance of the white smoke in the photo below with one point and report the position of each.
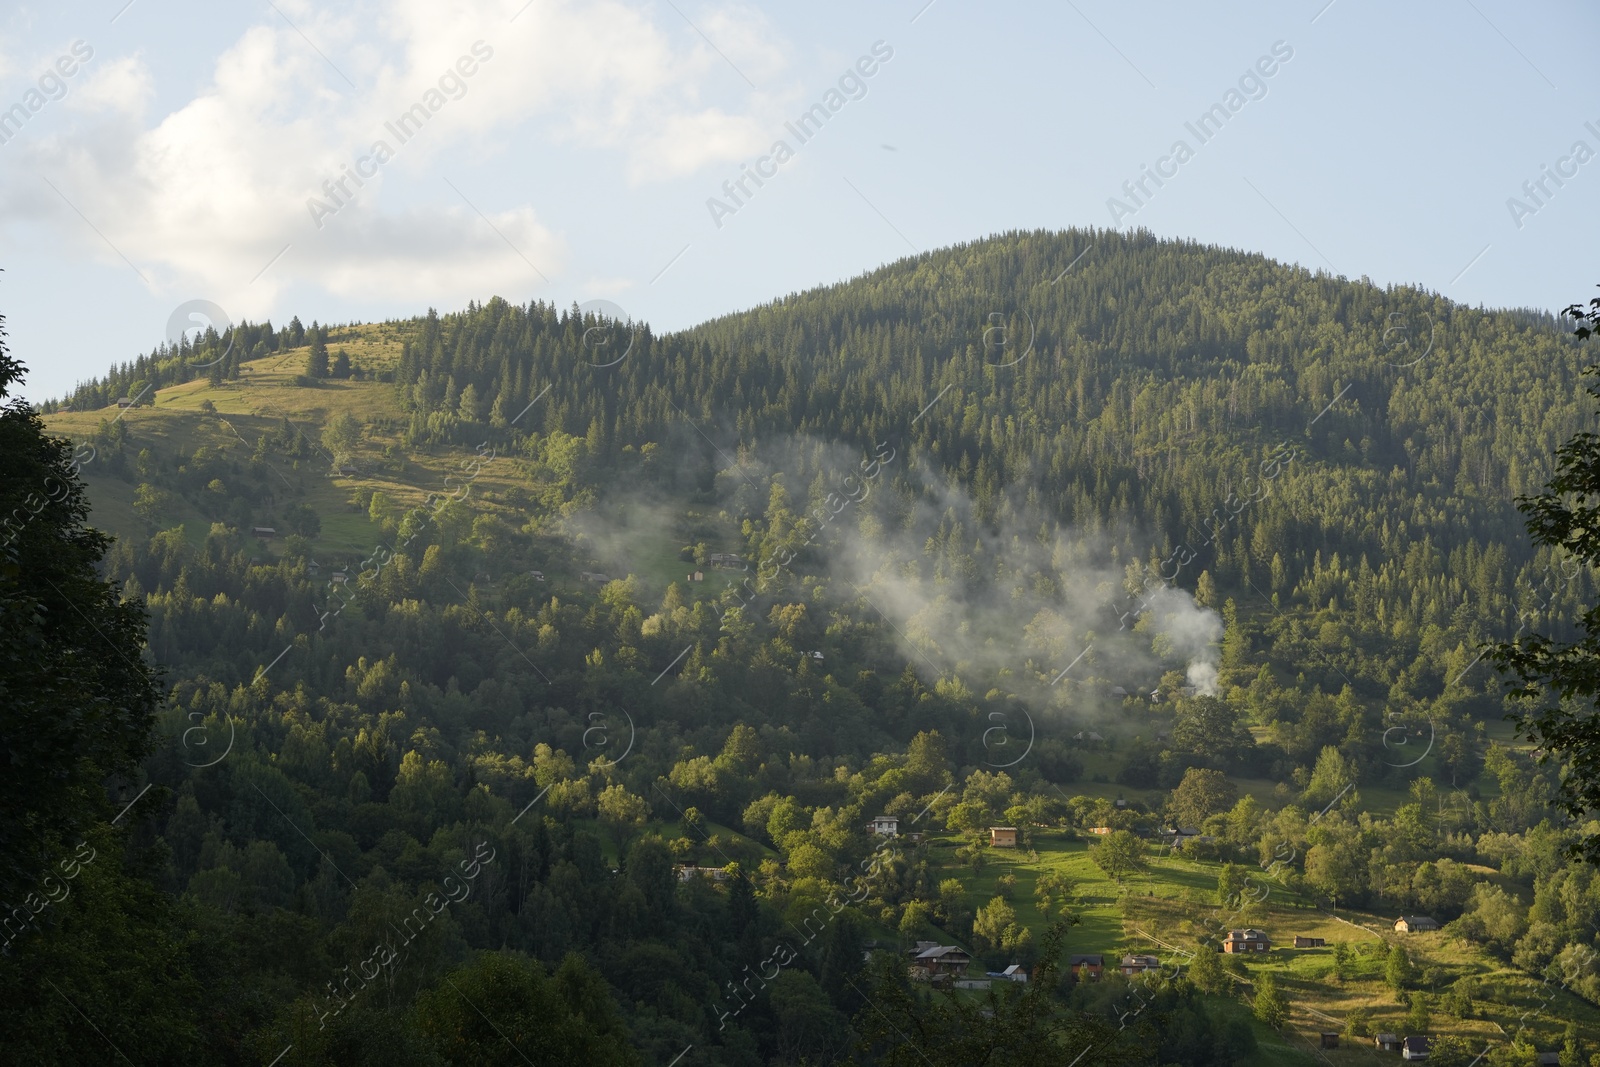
(1185, 630)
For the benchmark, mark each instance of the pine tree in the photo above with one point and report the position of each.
(1418, 1017)
(1397, 969)
(1271, 1005)
(317, 362)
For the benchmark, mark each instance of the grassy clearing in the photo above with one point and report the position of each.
(266, 394)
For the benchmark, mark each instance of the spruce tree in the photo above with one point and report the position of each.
(317, 362)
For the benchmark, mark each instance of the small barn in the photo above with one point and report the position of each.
(1002, 837)
(1309, 942)
(1387, 1042)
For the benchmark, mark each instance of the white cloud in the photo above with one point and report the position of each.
(118, 86)
(202, 197)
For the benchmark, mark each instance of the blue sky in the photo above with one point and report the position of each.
(572, 152)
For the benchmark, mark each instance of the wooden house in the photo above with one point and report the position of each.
(1249, 940)
(1002, 837)
(885, 826)
(1414, 1048)
(1139, 963)
(1330, 1040)
(949, 960)
(1087, 967)
(1309, 942)
(1415, 924)
(1387, 1042)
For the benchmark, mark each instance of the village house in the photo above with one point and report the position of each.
(1249, 940)
(1139, 963)
(689, 873)
(124, 402)
(1101, 830)
(885, 826)
(266, 533)
(942, 960)
(1415, 924)
(725, 561)
(1002, 837)
(592, 576)
(1414, 1048)
(1086, 967)
(1387, 1042)
(338, 577)
(1309, 942)
(537, 576)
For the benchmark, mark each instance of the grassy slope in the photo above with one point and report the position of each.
(267, 392)
(1166, 905)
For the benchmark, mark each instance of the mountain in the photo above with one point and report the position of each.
(1002, 533)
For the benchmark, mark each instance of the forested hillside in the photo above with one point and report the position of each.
(532, 679)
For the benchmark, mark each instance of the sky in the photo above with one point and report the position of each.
(159, 152)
